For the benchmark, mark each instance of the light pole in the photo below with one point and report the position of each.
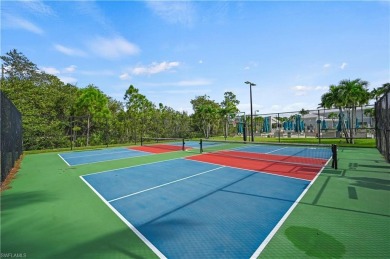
(250, 87)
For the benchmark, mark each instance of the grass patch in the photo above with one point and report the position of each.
(369, 143)
(67, 149)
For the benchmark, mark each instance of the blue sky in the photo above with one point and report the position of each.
(175, 51)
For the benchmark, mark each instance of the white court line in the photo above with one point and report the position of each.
(102, 161)
(285, 216)
(111, 170)
(101, 154)
(134, 229)
(275, 150)
(161, 185)
(64, 160)
(245, 147)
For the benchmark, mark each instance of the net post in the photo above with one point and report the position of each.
(201, 146)
(184, 145)
(334, 156)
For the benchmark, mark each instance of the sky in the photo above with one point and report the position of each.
(175, 51)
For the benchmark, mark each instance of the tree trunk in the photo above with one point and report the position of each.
(352, 127)
(343, 126)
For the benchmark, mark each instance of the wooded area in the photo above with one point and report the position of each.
(57, 115)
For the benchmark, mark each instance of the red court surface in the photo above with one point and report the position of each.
(306, 172)
(158, 148)
(289, 159)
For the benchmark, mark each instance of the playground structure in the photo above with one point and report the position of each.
(323, 123)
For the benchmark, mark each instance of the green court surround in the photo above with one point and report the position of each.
(49, 212)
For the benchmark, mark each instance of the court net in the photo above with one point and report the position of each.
(174, 144)
(313, 155)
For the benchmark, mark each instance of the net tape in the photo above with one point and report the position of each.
(164, 143)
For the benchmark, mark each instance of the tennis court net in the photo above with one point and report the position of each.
(298, 154)
(174, 144)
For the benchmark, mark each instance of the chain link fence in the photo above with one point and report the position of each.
(382, 118)
(348, 123)
(11, 135)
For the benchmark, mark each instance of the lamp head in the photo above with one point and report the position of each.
(249, 83)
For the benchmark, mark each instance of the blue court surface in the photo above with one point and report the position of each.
(95, 156)
(188, 209)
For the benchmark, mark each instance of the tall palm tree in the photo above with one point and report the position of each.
(378, 92)
(354, 94)
(333, 99)
(303, 112)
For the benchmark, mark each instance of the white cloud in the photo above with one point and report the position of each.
(303, 90)
(69, 51)
(246, 107)
(50, 70)
(173, 12)
(326, 66)
(92, 11)
(251, 64)
(200, 61)
(154, 68)
(20, 23)
(125, 76)
(70, 69)
(343, 65)
(37, 7)
(196, 82)
(321, 88)
(185, 91)
(113, 48)
(68, 79)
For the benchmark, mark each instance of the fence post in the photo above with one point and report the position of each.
(319, 127)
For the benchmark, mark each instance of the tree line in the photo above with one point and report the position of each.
(55, 114)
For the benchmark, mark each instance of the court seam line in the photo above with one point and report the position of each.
(111, 160)
(146, 154)
(285, 216)
(107, 153)
(162, 185)
(252, 152)
(63, 160)
(124, 220)
(253, 170)
(275, 150)
(155, 162)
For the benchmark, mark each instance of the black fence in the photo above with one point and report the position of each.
(11, 135)
(382, 118)
(46, 131)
